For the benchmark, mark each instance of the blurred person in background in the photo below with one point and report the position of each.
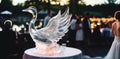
(96, 36)
(46, 19)
(8, 41)
(79, 32)
(72, 31)
(107, 35)
(114, 52)
(87, 29)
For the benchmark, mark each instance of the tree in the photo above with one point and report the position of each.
(48, 5)
(32, 2)
(39, 4)
(81, 2)
(74, 6)
(111, 1)
(6, 4)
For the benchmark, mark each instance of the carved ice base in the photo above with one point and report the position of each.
(48, 49)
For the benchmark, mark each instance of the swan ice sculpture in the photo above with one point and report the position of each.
(47, 37)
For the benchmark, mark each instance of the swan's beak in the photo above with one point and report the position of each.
(25, 10)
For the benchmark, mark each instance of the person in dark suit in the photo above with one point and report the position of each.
(8, 41)
(96, 35)
(86, 29)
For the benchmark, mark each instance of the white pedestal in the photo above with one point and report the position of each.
(68, 53)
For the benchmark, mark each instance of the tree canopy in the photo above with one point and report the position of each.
(76, 7)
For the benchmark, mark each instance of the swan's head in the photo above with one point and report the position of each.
(31, 10)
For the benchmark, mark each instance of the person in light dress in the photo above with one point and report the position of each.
(72, 32)
(114, 52)
(79, 33)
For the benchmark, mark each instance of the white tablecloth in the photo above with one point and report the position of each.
(68, 53)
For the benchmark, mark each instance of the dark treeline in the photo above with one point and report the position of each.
(103, 10)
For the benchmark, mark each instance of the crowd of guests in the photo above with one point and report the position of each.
(80, 32)
(13, 44)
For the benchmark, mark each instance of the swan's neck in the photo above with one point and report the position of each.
(32, 28)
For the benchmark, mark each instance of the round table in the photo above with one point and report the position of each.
(68, 53)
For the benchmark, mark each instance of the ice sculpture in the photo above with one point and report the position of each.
(47, 37)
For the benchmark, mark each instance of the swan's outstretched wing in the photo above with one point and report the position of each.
(53, 19)
(57, 26)
(63, 26)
